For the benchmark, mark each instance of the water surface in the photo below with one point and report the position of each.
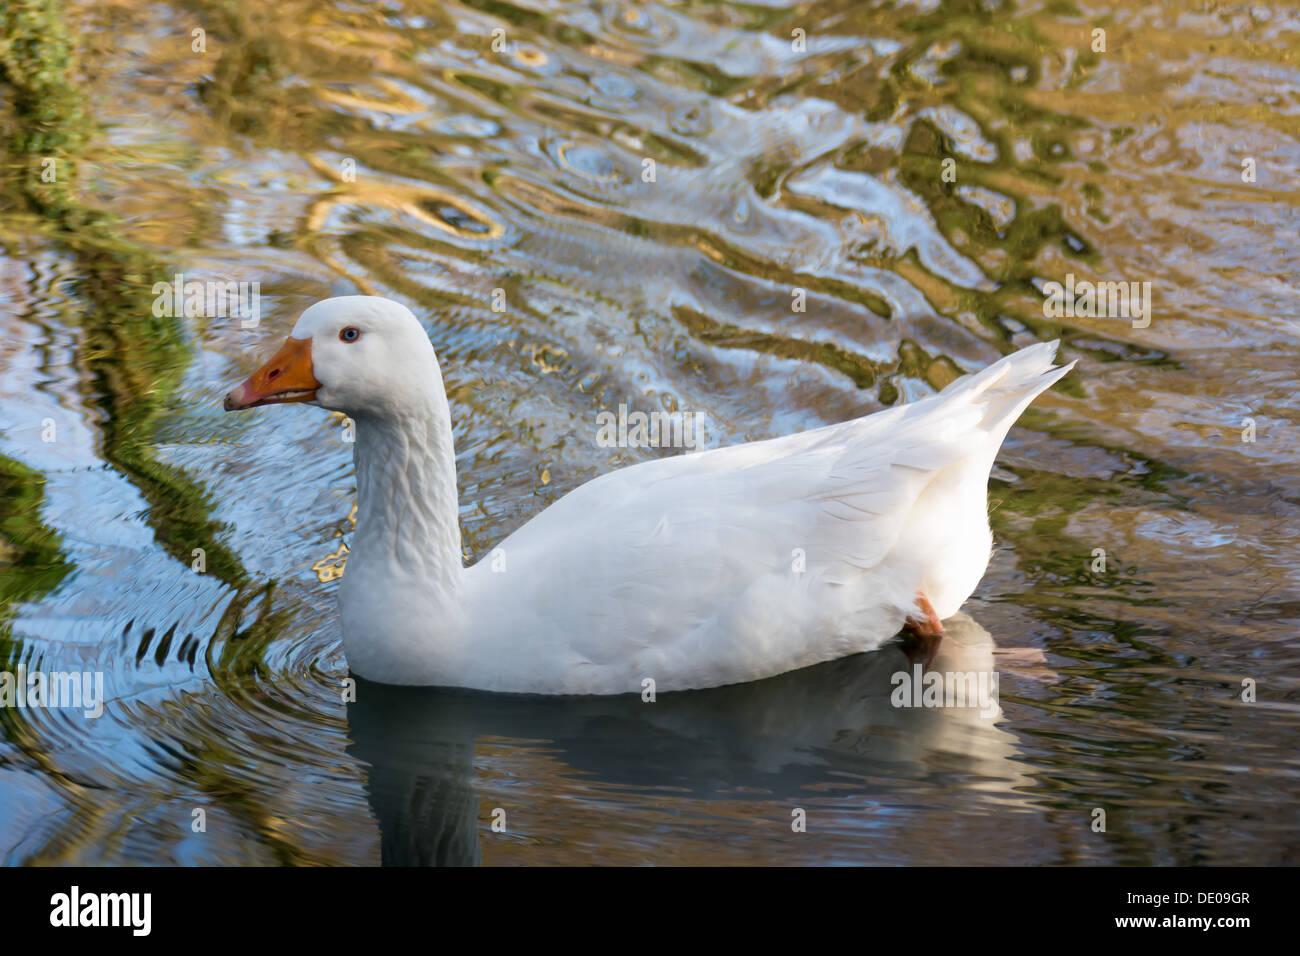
(334, 148)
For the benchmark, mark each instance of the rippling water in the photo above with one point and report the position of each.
(329, 148)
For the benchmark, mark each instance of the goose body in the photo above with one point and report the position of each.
(693, 571)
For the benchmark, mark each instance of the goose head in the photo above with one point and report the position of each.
(357, 354)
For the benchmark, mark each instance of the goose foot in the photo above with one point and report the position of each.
(924, 634)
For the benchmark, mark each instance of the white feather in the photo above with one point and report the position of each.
(683, 570)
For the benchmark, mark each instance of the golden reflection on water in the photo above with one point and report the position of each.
(323, 148)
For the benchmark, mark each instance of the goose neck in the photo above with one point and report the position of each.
(407, 509)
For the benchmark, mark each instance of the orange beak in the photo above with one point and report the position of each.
(288, 377)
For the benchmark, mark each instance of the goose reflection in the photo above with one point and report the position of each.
(777, 736)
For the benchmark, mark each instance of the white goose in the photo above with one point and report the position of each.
(694, 571)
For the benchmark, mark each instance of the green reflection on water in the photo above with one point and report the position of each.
(135, 360)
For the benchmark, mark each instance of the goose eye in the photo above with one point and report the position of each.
(350, 334)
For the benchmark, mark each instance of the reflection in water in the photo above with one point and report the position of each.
(778, 738)
(620, 206)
